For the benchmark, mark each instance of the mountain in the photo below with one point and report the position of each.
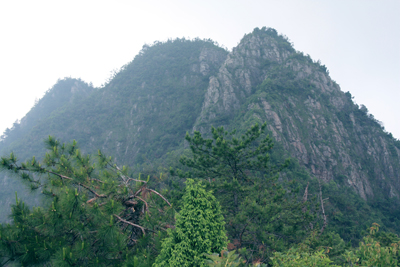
(141, 115)
(265, 79)
(145, 109)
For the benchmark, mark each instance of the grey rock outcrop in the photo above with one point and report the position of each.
(316, 122)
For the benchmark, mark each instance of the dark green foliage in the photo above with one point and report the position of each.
(262, 212)
(95, 212)
(295, 258)
(222, 157)
(373, 252)
(199, 229)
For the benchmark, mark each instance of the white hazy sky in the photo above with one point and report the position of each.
(41, 41)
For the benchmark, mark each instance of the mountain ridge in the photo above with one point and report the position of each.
(180, 86)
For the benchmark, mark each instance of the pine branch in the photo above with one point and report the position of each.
(87, 188)
(84, 186)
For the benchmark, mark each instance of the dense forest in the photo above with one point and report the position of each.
(191, 155)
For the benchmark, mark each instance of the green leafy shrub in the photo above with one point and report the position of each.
(199, 229)
(372, 253)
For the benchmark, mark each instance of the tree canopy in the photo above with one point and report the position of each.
(239, 210)
(93, 215)
(261, 208)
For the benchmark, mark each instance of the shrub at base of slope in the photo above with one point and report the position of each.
(375, 251)
(199, 229)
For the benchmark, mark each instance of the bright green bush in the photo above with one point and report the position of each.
(199, 229)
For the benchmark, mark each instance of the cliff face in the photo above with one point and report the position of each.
(265, 79)
(244, 68)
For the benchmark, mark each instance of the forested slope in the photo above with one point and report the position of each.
(142, 114)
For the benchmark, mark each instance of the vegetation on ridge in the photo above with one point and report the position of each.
(341, 178)
(100, 216)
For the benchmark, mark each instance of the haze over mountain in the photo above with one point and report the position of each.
(356, 39)
(142, 114)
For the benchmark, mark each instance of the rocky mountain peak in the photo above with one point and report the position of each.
(264, 44)
(244, 68)
(265, 79)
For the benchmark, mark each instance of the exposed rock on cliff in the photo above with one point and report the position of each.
(265, 78)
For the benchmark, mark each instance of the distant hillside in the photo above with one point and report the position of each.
(141, 116)
(63, 93)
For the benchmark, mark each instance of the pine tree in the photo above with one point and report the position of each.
(93, 215)
(261, 209)
(199, 230)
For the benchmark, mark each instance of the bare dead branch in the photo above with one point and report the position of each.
(59, 175)
(322, 208)
(305, 198)
(97, 180)
(91, 200)
(130, 203)
(147, 206)
(127, 179)
(138, 191)
(122, 176)
(136, 180)
(305, 193)
(87, 188)
(155, 192)
(135, 225)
